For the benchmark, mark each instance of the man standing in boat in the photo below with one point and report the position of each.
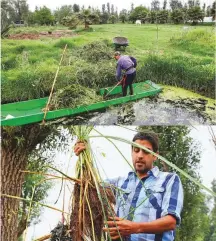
(150, 202)
(126, 64)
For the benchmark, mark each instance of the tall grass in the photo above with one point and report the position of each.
(197, 41)
(196, 74)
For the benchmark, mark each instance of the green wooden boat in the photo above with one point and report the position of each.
(27, 112)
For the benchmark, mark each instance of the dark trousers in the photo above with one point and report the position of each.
(128, 81)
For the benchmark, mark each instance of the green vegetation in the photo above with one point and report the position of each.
(183, 71)
(166, 54)
(73, 96)
(40, 192)
(198, 41)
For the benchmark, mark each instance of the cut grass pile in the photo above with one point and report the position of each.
(73, 96)
(95, 51)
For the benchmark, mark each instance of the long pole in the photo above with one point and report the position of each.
(50, 96)
(112, 89)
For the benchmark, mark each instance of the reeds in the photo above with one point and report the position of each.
(92, 203)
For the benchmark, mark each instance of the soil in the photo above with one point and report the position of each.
(46, 34)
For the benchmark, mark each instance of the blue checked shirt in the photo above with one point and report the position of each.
(156, 196)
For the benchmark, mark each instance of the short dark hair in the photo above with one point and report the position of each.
(117, 53)
(148, 136)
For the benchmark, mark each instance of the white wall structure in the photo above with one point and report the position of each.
(208, 20)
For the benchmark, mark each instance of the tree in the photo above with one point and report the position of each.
(16, 9)
(208, 11)
(197, 3)
(185, 13)
(151, 17)
(18, 143)
(104, 17)
(113, 19)
(21, 8)
(108, 8)
(139, 13)
(7, 14)
(155, 5)
(195, 14)
(191, 3)
(123, 16)
(71, 21)
(62, 12)
(88, 18)
(177, 16)
(112, 9)
(204, 7)
(103, 8)
(44, 16)
(164, 4)
(211, 233)
(162, 16)
(76, 8)
(36, 165)
(132, 7)
(213, 9)
(178, 147)
(31, 18)
(175, 4)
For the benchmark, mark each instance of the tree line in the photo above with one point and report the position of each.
(173, 11)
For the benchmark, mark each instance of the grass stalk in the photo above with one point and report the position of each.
(162, 159)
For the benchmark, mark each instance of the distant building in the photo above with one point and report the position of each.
(20, 23)
(208, 20)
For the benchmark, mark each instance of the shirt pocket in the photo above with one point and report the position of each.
(155, 197)
(123, 195)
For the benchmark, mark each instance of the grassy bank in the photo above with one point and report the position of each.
(166, 54)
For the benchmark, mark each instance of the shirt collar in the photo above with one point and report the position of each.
(153, 172)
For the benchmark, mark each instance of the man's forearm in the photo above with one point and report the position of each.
(158, 226)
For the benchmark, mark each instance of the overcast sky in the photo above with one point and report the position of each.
(112, 165)
(120, 4)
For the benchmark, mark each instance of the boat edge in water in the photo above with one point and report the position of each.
(38, 117)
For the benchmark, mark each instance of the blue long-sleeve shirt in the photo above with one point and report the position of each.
(123, 63)
(156, 196)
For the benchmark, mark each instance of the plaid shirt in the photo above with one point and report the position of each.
(157, 195)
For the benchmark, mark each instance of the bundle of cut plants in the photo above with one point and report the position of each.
(92, 203)
(95, 51)
(73, 96)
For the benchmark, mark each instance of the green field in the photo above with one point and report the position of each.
(166, 54)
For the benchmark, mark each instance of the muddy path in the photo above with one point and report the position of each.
(43, 34)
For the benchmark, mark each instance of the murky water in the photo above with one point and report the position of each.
(148, 112)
